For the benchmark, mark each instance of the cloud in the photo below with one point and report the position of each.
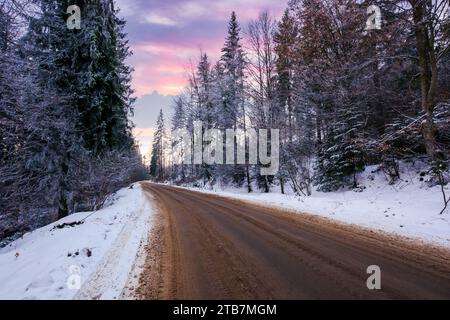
(146, 109)
(154, 18)
(164, 35)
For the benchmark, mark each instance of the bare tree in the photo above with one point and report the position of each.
(262, 77)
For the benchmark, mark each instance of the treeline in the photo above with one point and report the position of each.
(343, 95)
(65, 97)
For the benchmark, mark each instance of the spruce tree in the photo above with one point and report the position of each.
(178, 122)
(157, 158)
(104, 95)
(204, 91)
(232, 91)
(341, 155)
(87, 66)
(233, 65)
(83, 72)
(285, 39)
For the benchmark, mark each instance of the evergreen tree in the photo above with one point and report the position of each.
(65, 139)
(157, 159)
(341, 155)
(231, 109)
(204, 91)
(103, 94)
(285, 40)
(233, 65)
(87, 66)
(206, 112)
(178, 122)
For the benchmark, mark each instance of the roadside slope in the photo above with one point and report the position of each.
(92, 260)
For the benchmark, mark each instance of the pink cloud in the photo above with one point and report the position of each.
(164, 67)
(165, 35)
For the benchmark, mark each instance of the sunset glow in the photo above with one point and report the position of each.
(166, 35)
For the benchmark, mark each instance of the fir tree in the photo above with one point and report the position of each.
(233, 65)
(87, 66)
(285, 40)
(341, 155)
(157, 159)
(231, 108)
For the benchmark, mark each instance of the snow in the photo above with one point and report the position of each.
(106, 253)
(94, 260)
(408, 208)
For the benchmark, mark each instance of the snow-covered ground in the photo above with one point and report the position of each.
(93, 260)
(101, 258)
(408, 208)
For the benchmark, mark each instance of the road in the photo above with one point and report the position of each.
(211, 247)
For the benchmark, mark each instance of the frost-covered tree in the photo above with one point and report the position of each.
(157, 162)
(232, 73)
(48, 167)
(231, 109)
(341, 154)
(87, 66)
(179, 122)
(342, 96)
(265, 112)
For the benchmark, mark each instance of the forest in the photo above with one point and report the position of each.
(348, 84)
(65, 102)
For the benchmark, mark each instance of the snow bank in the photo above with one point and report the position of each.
(88, 261)
(408, 208)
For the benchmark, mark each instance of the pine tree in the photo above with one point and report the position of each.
(178, 122)
(87, 66)
(231, 109)
(46, 168)
(233, 65)
(204, 83)
(78, 100)
(206, 112)
(341, 156)
(285, 40)
(104, 93)
(157, 165)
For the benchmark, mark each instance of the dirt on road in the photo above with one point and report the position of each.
(210, 247)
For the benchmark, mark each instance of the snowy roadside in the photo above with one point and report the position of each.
(94, 260)
(408, 208)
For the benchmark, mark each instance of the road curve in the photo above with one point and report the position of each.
(211, 247)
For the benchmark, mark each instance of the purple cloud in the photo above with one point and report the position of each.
(165, 34)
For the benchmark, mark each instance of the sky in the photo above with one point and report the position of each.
(166, 36)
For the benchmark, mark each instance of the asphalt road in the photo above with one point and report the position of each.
(210, 247)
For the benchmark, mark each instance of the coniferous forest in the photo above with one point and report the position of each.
(65, 99)
(224, 150)
(344, 92)
(347, 88)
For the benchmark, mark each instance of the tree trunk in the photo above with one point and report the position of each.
(428, 72)
(282, 185)
(63, 207)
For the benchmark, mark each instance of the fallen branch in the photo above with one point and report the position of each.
(68, 224)
(446, 201)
